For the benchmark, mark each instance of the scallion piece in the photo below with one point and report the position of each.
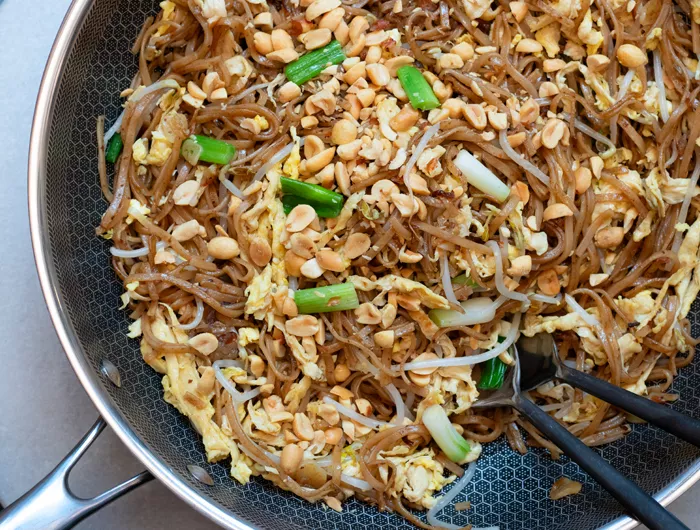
(199, 148)
(289, 202)
(310, 65)
(476, 311)
(492, 374)
(465, 279)
(481, 177)
(312, 194)
(419, 92)
(114, 148)
(338, 297)
(446, 436)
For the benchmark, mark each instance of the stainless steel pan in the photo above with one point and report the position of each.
(90, 63)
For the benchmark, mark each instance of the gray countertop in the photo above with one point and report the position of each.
(43, 409)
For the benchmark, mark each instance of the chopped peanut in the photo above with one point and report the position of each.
(368, 313)
(520, 266)
(555, 211)
(609, 237)
(356, 245)
(548, 282)
(631, 56)
(316, 38)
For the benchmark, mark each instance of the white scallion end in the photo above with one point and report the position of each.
(456, 448)
(481, 177)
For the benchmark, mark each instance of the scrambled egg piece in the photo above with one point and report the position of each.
(591, 37)
(485, 264)
(567, 8)
(651, 100)
(267, 219)
(465, 221)
(240, 376)
(180, 390)
(136, 211)
(161, 147)
(171, 125)
(168, 8)
(342, 220)
(130, 294)
(134, 329)
(248, 336)
(261, 420)
(179, 383)
(259, 294)
(291, 165)
(296, 394)
(262, 121)
(549, 37)
(686, 280)
(307, 360)
(140, 151)
(534, 324)
(583, 411)
(418, 476)
(213, 8)
(660, 189)
(451, 387)
(599, 85)
(391, 282)
(641, 307)
(695, 10)
(348, 461)
(629, 346)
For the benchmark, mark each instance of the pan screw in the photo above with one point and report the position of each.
(200, 474)
(111, 372)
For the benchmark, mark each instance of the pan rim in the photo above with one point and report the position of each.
(88, 378)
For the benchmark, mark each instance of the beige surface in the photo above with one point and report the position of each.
(43, 409)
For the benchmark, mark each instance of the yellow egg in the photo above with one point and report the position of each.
(140, 151)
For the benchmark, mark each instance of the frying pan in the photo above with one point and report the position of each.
(89, 65)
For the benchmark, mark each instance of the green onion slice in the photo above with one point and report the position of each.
(419, 92)
(338, 297)
(313, 195)
(199, 148)
(492, 374)
(114, 148)
(310, 65)
(289, 202)
(481, 177)
(465, 279)
(445, 435)
(476, 311)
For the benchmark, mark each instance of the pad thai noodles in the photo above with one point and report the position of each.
(332, 220)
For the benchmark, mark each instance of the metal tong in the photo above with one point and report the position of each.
(537, 362)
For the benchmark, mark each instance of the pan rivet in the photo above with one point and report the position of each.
(200, 474)
(111, 372)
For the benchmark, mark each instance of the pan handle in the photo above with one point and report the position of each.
(51, 505)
